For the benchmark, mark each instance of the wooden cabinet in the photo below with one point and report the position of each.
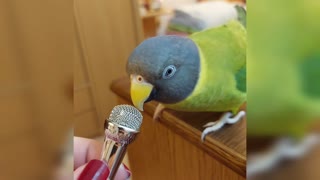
(106, 33)
(171, 148)
(151, 21)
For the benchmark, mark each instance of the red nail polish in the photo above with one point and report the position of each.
(95, 170)
(127, 170)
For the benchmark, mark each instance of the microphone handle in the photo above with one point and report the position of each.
(110, 146)
(114, 148)
(108, 150)
(121, 151)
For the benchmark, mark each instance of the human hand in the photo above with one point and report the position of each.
(87, 163)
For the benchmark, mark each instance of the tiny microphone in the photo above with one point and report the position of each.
(121, 128)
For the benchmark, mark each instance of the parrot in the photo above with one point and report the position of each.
(284, 84)
(205, 72)
(284, 99)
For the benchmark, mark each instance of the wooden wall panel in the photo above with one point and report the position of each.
(35, 86)
(83, 102)
(107, 32)
(84, 107)
(86, 124)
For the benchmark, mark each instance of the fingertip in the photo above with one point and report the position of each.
(95, 169)
(123, 172)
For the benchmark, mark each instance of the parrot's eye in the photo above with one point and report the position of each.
(139, 78)
(168, 72)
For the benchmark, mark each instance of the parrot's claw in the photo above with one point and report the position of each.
(283, 148)
(226, 118)
(210, 124)
(158, 111)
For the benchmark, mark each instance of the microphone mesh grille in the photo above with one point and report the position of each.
(126, 116)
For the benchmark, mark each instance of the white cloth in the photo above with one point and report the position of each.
(204, 15)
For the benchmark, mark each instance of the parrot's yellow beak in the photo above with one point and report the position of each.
(140, 91)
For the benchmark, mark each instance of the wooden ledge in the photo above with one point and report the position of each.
(227, 145)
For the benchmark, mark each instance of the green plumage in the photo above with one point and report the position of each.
(242, 15)
(222, 81)
(284, 70)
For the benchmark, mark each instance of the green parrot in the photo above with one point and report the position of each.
(284, 98)
(284, 70)
(203, 72)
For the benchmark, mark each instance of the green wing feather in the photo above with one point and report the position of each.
(242, 15)
(241, 79)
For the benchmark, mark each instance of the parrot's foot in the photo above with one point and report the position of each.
(158, 111)
(283, 148)
(226, 118)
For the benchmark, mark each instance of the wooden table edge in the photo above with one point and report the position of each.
(214, 148)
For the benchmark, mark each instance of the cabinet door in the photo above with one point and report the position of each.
(107, 32)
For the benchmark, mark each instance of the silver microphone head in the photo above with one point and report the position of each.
(126, 116)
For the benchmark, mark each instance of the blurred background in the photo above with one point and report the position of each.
(36, 55)
(283, 109)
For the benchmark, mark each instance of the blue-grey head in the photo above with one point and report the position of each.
(163, 68)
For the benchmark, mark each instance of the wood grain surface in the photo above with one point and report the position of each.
(106, 32)
(227, 146)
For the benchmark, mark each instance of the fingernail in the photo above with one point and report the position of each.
(127, 170)
(95, 170)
